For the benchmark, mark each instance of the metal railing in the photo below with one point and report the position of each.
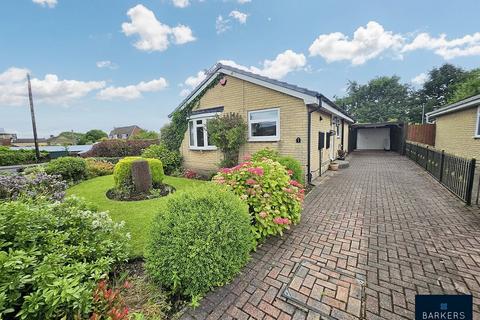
(455, 173)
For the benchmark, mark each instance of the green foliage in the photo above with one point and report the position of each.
(199, 241)
(171, 160)
(95, 135)
(69, 138)
(380, 100)
(10, 157)
(122, 172)
(52, 256)
(274, 199)
(97, 168)
(470, 86)
(291, 164)
(145, 135)
(173, 133)
(228, 133)
(70, 168)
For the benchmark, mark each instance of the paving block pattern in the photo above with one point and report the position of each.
(371, 237)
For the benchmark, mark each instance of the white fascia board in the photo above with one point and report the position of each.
(204, 115)
(439, 112)
(334, 111)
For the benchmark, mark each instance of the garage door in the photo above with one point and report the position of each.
(373, 139)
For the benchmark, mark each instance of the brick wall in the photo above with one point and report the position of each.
(455, 134)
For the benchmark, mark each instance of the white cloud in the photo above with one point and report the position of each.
(221, 24)
(285, 62)
(192, 81)
(367, 43)
(45, 3)
(468, 45)
(154, 35)
(132, 91)
(243, 1)
(420, 79)
(181, 3)
(106, 64)
(239, 16)
(13, 88)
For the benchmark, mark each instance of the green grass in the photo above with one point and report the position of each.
(138, 215)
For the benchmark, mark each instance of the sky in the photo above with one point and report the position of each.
(104, 64)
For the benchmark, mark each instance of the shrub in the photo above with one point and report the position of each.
(228, 133)
(171, 160)
(118, 148)
(9, 157)
(289, 162)
(97, 168)
(190, 174)
(32, 186)
(274, 199)
(122, 172)
(53, 255)
(70, 168)
(200, 240)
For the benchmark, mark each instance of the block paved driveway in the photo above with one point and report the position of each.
(371, 237)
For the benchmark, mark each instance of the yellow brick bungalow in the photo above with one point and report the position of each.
(458, 127)
(295, 121)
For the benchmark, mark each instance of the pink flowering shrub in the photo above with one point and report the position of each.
(274, 199)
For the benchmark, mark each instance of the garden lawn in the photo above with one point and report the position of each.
(138, 215)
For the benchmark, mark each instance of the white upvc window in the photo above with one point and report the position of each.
(264, 125)
(477, 128)
(198, 135)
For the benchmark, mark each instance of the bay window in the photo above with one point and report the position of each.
(264, 125)
(198, 135)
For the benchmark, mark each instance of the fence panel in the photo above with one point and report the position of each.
(421, 133)
(455, 173)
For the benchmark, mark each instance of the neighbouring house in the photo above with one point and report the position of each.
(298, 122)
(29, 142)
(6, 138)
(458, 127)
(124, 132)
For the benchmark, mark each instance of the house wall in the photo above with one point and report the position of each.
(455, 133)
(242, 96)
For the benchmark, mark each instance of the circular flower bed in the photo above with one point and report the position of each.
(157, 192)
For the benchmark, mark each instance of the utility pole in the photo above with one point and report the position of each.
(32, 114)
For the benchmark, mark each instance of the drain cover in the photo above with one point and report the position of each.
(333, 293)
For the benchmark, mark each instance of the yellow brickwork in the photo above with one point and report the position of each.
(455, 133)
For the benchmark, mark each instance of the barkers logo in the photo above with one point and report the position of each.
(443, 307)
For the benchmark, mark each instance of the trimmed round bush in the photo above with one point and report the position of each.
(122, 173)
(200, 240)
(70, 168)
(273, 198)
(171, 160)
(52, 255)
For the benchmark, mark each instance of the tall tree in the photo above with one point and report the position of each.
(145, 135)
(440, 86)
(470, 86)
(95, 135)
(380, 100)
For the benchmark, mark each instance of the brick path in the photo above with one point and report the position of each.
(371, 237)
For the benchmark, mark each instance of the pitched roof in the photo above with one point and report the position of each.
(124, 130)
(308, 95)
(457, 106)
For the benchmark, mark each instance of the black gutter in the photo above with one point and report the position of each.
(309, 139)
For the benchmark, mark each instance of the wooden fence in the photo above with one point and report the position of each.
(421, 133)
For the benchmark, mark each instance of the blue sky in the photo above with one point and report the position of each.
(100, 64)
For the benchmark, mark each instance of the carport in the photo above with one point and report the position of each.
(387, 136)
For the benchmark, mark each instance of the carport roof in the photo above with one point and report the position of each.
(377, 125)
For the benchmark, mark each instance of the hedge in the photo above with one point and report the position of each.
(118, 148)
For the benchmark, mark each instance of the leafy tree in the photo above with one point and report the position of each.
(439, 87)
(95, 135)
(467, 88)
(145, 135)
(228, 133)
(380, 100)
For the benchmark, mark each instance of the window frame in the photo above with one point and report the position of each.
(264, 138)
(477, 127)
(193, 119)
